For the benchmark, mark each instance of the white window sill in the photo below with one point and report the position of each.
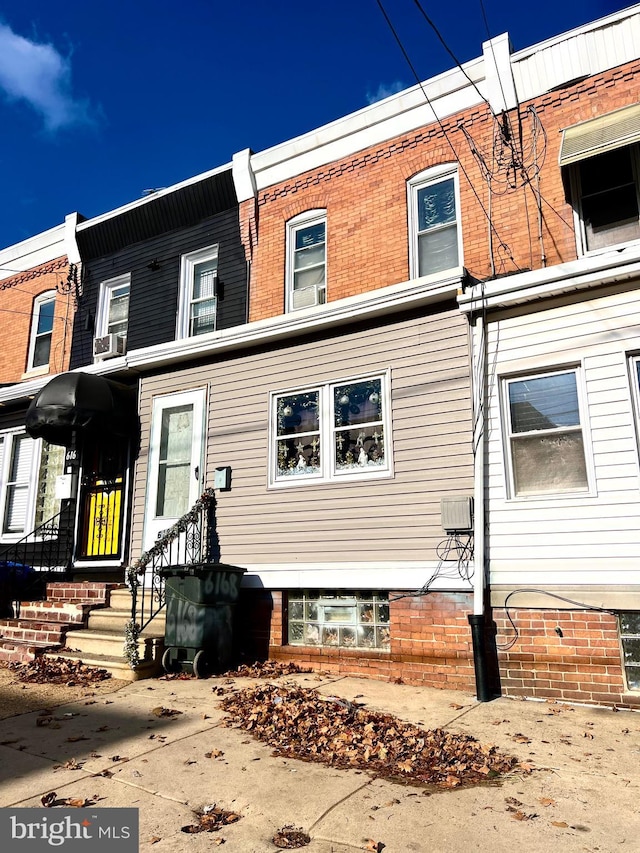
(35, 371)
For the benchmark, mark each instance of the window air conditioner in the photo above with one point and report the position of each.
(304, 298)
(109, 346)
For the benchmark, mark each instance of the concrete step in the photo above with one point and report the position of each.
(151, 651)
(107, 619)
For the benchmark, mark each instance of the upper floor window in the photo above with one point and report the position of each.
(113, 307)
(333, 430)
(606, 193)
(434, 228)
(307, 260)
(41, 330)
(198, 293)
(545, 442)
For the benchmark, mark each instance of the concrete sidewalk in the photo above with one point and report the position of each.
(582, 795)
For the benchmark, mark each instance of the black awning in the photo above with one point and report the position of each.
(80, 402)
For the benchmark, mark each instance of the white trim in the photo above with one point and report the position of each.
(38, 302)
(197, 399)
(188, 264)
(40, 249)
(8, 437)
(304, 220)
(505, 416)
(328, 472)
(389, 575)
(384, 301)
(104, 303)
(429, 177)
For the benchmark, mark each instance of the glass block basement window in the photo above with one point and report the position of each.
(351, 620)
(630, 636)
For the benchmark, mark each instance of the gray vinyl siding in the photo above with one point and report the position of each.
(387, 519)
(585, 539)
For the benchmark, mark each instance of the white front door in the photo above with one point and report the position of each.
(175, 461)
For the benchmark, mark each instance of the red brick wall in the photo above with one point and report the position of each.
(430, 642)
(431, 647)
(16, 306)
(365, 197)
(582, 665)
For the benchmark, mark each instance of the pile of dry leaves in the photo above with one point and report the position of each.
(301, 723)
(266, 669)
(71, 673)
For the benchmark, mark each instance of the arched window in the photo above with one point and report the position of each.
(307, 260)
(41, 330)
(434, 221)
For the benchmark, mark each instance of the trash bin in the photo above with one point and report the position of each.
(200, 604)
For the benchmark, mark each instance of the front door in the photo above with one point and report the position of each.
(102, 500)
(175, 461)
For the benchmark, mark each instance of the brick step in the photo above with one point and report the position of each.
(22, 651)
(150, 665)
(55, 611)
(31, 630)
(94, 593)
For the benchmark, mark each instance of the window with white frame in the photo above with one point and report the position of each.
(112, 317)
(546, 449)
(606, 199)
(198, 293)
(331, 431)
(434, 221)
(41, 330)
(307, 260)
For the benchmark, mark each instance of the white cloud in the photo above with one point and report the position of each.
(385, 90)
(39, 75)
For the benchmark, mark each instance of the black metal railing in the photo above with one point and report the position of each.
(26, 566)
(191, 540)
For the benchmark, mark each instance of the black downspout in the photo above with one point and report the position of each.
(483, 689)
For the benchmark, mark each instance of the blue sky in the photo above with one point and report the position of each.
(101, 101)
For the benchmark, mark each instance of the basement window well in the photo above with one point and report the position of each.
(351, 620)
(630, 638)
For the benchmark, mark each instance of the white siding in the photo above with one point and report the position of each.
(579, 539)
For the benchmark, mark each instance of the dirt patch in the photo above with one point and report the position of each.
(17, 697)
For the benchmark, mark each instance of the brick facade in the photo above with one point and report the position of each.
(365, 197)
(17, 295)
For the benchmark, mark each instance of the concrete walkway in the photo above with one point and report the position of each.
(582, 795)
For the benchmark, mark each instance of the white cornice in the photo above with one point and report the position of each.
(381, 302)
(608, 268)
(40, 249)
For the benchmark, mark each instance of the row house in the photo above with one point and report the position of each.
(403, 351)
(39, 287)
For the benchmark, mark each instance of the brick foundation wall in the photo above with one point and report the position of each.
(431, 646)
(93, 592)
(430, 641)
(583, 664)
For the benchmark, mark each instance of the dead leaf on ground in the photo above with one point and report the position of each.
(154, 839)
(210, 819)
(455, 706)
(291, 838)
(300, 722)
(165, 712)
(546, 801)
(70, 673)
(266, 669)
(215, 753)
(375, 846)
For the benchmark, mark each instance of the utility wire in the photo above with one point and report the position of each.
(503, 245)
